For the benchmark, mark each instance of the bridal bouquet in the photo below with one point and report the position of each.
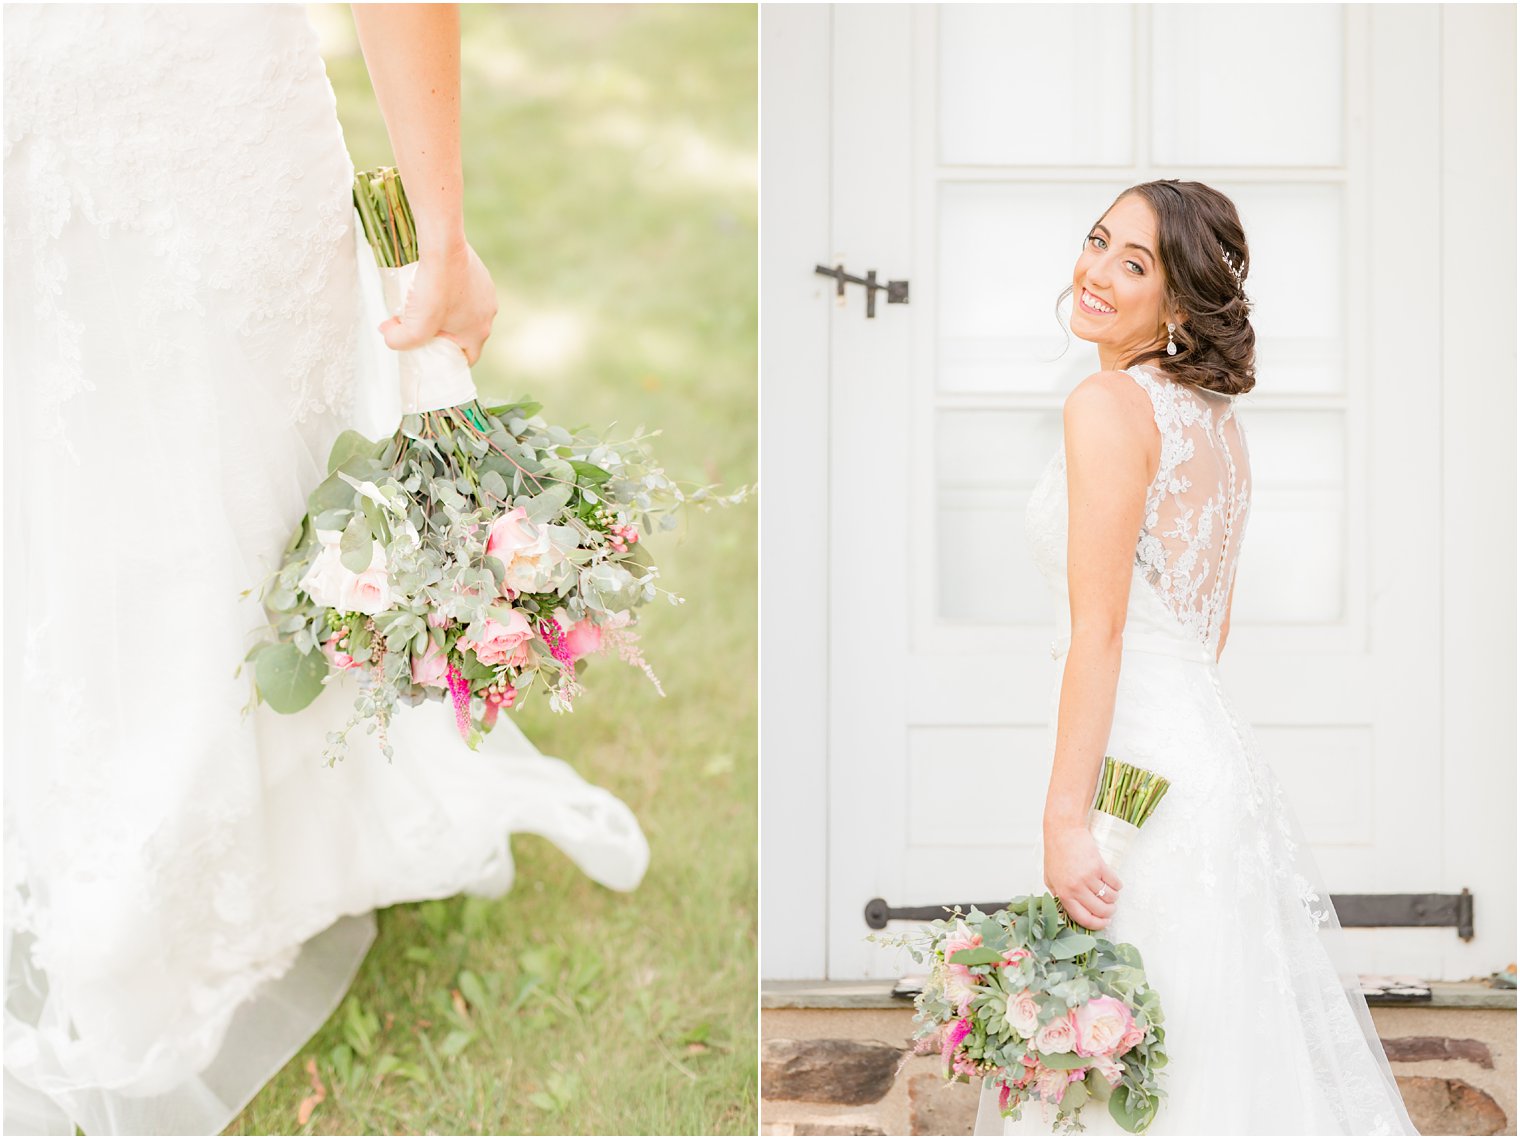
(1043, 1011)
(1041, 1008)
(478, 555)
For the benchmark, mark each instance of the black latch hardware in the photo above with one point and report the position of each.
(1358, 911)
(897, 291)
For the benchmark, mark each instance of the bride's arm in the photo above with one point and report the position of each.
(1106, 470)
(412, 54)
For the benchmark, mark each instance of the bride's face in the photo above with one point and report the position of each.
(1116, 285)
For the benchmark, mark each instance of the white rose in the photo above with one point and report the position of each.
(324, 577)
(331, 584)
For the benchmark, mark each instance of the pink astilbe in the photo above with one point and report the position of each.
(459, 689)
(626, 641)
(953, 1037)
(554, 636)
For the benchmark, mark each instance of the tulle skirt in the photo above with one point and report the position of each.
(1266, 1029)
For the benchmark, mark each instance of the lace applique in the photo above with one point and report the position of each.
(1197, 505)
(109, 113)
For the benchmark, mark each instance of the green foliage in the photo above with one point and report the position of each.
(288, 679)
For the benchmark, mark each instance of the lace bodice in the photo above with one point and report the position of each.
(1196, 509)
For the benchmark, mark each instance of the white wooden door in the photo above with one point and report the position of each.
(972, 146)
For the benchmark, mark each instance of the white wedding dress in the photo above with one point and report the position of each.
(190, 320)
(1266, 1028)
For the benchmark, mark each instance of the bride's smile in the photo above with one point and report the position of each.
(1118, 285)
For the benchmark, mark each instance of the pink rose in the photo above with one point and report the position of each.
(1050, 1084)
(1132, 1037)
(1014, 956)
(1057, 1036)
(526, 550)
(1030, 1069)
(960, 983)
(1110, 1069)
(1023, 1015)
(336, 656)
(580, 639)
(583, 639)
(963, 938)
(505, 641)
(509, 534)
(367, 592)
(431, 669)
(1102, 1023)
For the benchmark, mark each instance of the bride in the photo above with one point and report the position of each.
(190, 320)
(1266, 1029)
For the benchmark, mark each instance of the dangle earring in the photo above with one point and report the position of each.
(1171, 344)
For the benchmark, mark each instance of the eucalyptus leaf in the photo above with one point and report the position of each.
(1075, 1097)
(1069, 943)
(334, 519)
(1097, 1086)
(492, 483)
(357, 548)
(1133, 1121)
(351, 445)
(979, 955)
(289, 679)
(1063, 1061)
(589, 473)
(331, 493)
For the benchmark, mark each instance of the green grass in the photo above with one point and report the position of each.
(610, 170)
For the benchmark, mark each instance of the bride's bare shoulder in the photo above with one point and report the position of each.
(1109, 399)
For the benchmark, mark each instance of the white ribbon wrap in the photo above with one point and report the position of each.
(1113, 836)
(435, 376)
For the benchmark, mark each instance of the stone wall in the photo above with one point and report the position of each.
(848, 1071)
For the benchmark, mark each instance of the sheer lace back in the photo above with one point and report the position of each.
(1197, 505)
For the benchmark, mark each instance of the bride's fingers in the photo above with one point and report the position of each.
(400, 336)
(401, 333)
(1103, 907)
(471, 352)
(1082, 914)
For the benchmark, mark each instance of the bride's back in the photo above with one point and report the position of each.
(1197, 505)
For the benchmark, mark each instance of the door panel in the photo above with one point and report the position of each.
(969, 155)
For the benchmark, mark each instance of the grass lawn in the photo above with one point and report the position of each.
(610, 165)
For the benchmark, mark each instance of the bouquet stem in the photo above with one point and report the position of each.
(1126, 797)
(387, 216)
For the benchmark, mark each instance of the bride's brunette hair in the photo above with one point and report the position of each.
(1204, 263)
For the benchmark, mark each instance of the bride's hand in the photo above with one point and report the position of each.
(452, 296)
(1075, 871)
